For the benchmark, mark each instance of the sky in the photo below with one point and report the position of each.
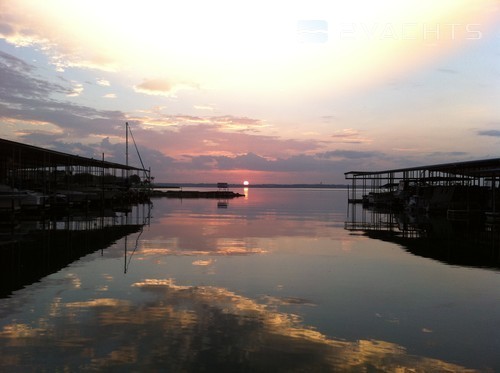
(264, 91)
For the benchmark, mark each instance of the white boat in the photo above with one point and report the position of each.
(74, 197)
(10, 199)
(31, 200)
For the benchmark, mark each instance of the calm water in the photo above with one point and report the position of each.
(273, 282)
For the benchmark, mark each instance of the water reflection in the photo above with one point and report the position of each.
(35, 246)
(240, 228)
(190, 328)
(274, 282)
(464, 242)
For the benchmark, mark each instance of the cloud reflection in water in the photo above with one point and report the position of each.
(191, 328)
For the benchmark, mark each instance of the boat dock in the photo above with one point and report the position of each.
(34, 179)
(448, 212)
(459, 190)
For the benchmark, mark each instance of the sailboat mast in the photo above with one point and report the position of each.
(126, 149)
(126, 142)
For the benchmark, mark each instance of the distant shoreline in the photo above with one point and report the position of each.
(179, 193)
(214, 185)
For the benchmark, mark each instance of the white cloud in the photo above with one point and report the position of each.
(103, 82)
(203, 107)
(76, 90)
(162, 87)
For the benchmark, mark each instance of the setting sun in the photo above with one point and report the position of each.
(246, 183)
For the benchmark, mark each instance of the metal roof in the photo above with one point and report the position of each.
(477, 168)
(23, 155)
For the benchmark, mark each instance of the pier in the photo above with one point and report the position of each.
(459, 189)
(34, 179)
(447, 212)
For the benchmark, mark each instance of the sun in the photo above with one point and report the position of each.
(246, 183)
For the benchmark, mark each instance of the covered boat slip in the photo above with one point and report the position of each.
(58, 175)
(448, 212)
(471, 185)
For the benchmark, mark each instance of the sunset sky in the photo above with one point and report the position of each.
(265, 91)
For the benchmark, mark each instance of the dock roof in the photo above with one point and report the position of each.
(477, 169)
(26, 156)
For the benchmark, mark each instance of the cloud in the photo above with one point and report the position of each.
(76, 90)
(203, 107)
(188, 136)
(205, 164)
(26, 98)
(171, 145)
(161, 87)
(234, 123)
(56, 141)
(74, 120)
(19, 80)
(350, 136)
(448, 154)
(50, 140)
(493, 133)
(103, 82)
(249, 161)
(179, 148)
(328, 118)
(221, 123)
(154, 86)
(30, 24)
(305, 165)
(113, 151)
(230, 119)
(350, 154)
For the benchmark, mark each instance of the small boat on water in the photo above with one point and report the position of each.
(10, 199)
(74, 197)
(31, 200)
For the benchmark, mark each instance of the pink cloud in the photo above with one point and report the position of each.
(162, 87)
(350, 136)
(209, 138)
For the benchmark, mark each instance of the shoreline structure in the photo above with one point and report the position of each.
(457, 190)
(36, 178)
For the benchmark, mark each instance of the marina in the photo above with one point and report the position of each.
(448, 212)
(34, 179)
(459, 190)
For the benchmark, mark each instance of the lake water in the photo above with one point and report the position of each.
(278, 280)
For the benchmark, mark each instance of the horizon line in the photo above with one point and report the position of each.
(250, 185)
